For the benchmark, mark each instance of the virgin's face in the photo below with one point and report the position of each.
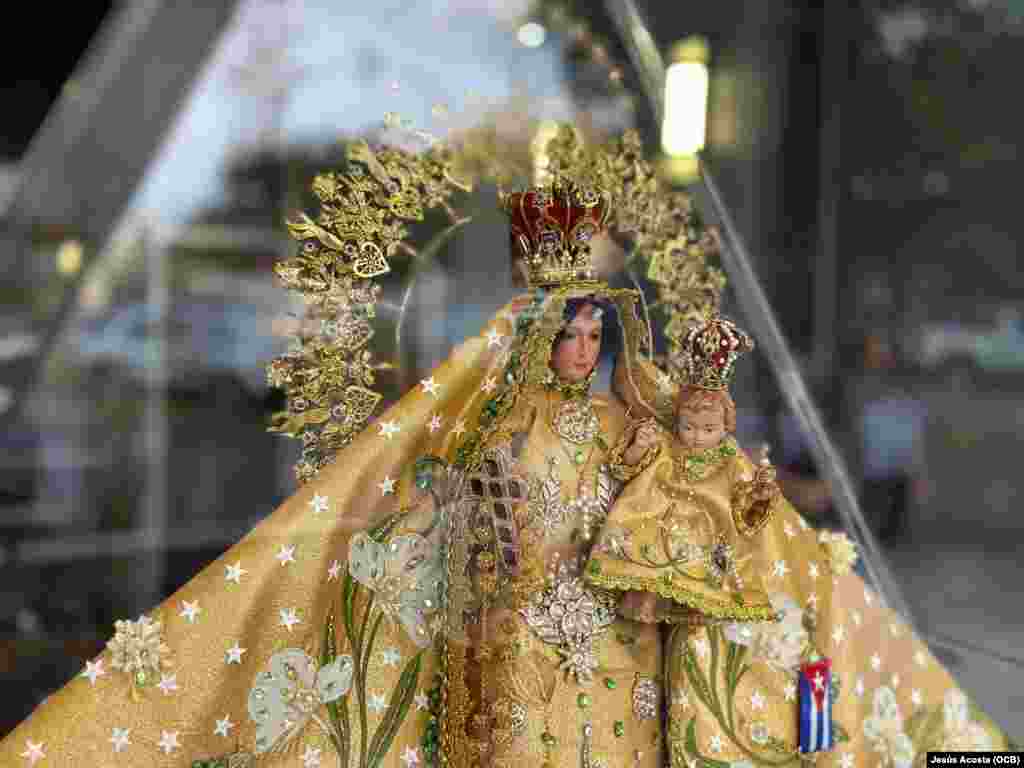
(701, 429)
(575, 355)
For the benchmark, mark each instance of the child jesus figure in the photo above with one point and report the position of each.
(680, 542)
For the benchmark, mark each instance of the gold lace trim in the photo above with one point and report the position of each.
(570, 389)
(718, 609)
(703, 464)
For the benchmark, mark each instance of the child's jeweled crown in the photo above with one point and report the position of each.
(710, 351)
(552, 226)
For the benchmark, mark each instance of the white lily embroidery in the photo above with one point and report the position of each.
(884, 729)
(960, 731)
(289, 694)
(406, 574)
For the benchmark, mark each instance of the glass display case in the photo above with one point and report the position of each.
(138, 443)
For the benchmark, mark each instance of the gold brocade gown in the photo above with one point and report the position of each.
(568, 682)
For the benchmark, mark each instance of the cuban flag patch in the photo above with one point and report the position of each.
(816, 706)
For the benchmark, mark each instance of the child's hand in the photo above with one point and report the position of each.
(638, 606)
(643, 439)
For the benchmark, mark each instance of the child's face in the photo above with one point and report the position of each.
(701, 429)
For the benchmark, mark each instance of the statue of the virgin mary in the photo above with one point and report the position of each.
(420, 599)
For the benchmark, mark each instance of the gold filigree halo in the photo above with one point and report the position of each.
(362, 226)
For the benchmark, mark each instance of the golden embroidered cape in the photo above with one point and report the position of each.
(317, 640)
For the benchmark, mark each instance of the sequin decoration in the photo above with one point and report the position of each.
(138, 649)
(576, 421)
(645, 698)
(569, 616)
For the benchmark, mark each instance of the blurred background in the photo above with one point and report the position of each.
(867, 153)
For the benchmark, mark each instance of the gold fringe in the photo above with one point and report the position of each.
(717, 609)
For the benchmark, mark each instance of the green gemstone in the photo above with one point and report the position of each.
(140, 677)
(610, 684)
(620, 728)
(583, 700)
(579, 457)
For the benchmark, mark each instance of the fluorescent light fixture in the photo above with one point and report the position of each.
(684, 128)
(532, 34)
(69, 257)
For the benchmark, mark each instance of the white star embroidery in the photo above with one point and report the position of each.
(490, 384)
(895, 680)
(318, 503)
(846, 760)
(286, 555)
(790, 692)
(430, 386)
(819, 682)
(169, 741)
(190, 610)
(915, 697)
(859, 687)
(868, 597)
(168, 683)
(803, 523)
(235, 572)
(387, 486)
(715, 743)
(389, 429)
(223, 727)
(235, 654)
(920, 659)
(422, 702)
(93, 669)
(377, 702)
(119, 738)
(311, 757)
(838, 634)
(788, 530)
(333, 571)
(756, 700)
(682, 699)
(411, 757)
(857, 618)
(780, 569)
(33, 752)
(391, 657)
(435, 424)
(701, 644)
(812, 570)
(460, 427)
(876, 662)
(288, 618)
(494, 338)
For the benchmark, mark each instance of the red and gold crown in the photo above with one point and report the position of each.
(709, 353)
(552, 226)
